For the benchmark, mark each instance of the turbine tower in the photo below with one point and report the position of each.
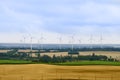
(24, 39)
(101, 40)
(59, 42)
(31, 42)
(79, 43)
(91, 41)
(41, 41)
(31, 46)
(21, 42)
(72, 42)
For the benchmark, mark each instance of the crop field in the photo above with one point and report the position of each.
(55, 53)
(82, 70)
(113, 54)
(80, 63)
(55, 72)
(4, 51)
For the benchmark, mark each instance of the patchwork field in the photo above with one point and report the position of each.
(54, 72)
(113, 54)
(58, 72)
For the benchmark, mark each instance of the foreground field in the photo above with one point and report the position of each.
(53, 72)
(74, 63)
(80, 63)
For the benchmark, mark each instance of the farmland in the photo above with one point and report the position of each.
(74, 70)
(55, 72)
(81, 63)
(113, 54)
(14, 62)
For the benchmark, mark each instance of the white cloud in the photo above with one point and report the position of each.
(63, 17)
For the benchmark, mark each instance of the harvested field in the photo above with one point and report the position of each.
(54, 72)
(27, 51)
(113, 54)
(55, 53)
(4, 51)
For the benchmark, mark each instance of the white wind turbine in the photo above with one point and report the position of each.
(31, 45)
(91, 40)
(24, 41)
(31, 42)
(31, 39)
(41, 41)
(72, 42)
(79, 40)
(101, 40)
(60, 42)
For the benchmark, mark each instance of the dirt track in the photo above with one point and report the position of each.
(53, 72)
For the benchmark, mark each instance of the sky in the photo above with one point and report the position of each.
(53, 19)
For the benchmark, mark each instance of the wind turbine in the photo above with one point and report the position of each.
(60, 41)
(24, 40)
(31, 42)
(101, 40)
(31, 46)
(41, 41)
(21, 41)
(72, 41)
(79, 40)
(91, 40)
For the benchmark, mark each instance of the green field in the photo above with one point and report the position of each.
(77, 63)
(80, 63)
(14, 62)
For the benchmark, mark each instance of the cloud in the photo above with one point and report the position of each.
(65, 17)
(14, 21)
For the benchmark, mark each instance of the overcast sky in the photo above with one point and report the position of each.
(55, 18)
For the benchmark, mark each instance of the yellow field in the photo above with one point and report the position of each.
(27, 51)
(113, 54)
(4, 51)
(55, 53)
(53, 72)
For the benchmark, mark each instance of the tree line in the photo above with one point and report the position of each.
(55, 59)
(70, 58)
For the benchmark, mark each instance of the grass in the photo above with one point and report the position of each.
(80, 63)
(14, 62)
(76, 63)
